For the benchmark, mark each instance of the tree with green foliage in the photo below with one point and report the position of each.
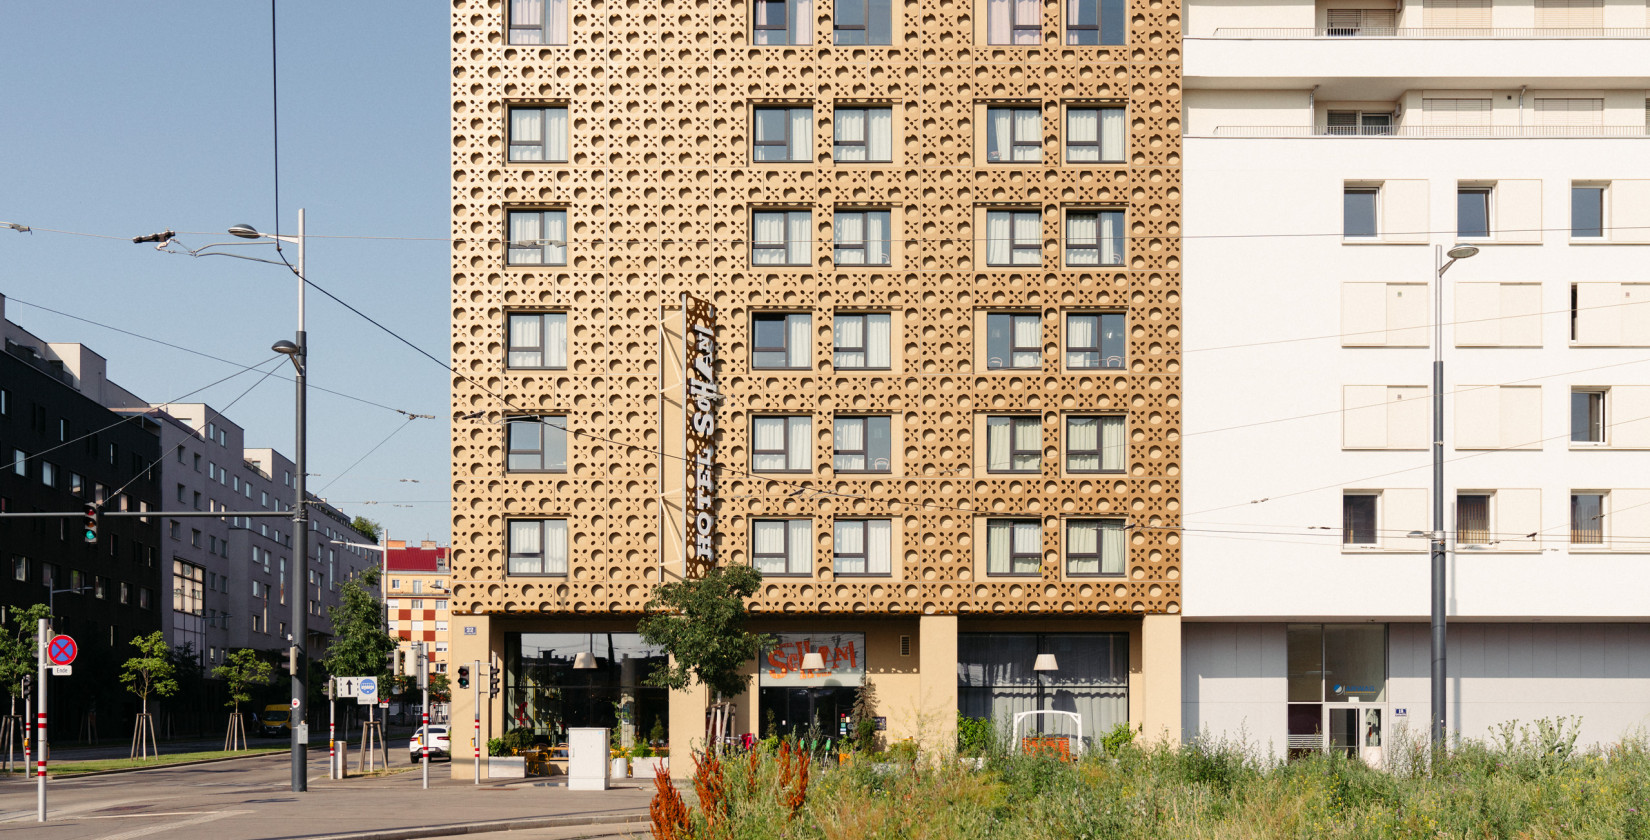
(150, 672)
(241, 671)
(18, 652)
(367, 527)
(701, 624)
(360, 647)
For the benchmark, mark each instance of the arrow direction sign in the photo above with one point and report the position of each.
(366, 690)
(346, 686)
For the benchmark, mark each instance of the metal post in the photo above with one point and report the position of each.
(40, 721)
(477, 684)
(332, 730)
(1437, 536)
(424, 742)
(300, 547)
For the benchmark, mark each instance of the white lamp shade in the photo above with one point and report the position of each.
(812, 661)
(584, 661)
(1045, 662)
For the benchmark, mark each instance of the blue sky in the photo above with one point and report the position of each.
(124, 118)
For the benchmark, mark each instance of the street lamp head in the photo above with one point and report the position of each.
(245, 231)
(285, 347)
(1461, 252)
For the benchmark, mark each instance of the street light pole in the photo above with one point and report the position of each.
(1438, 550)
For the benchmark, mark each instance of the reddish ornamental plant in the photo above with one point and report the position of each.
(669, 813)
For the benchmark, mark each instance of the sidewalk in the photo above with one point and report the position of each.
(253, 800)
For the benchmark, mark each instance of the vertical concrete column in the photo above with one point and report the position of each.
(464, 650)
(936, 724)
(1160, 671)
(687, 728)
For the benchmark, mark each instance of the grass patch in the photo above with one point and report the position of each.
(69, 768)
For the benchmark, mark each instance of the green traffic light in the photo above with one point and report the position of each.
(91, 535)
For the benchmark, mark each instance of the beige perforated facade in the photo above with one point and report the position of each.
(668, 106)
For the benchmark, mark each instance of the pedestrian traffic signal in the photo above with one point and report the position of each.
(463, 676)
(89, 524)
(492, 683)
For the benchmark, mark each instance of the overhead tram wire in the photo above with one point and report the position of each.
(393, 433)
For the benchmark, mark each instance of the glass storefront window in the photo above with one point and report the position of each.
(813, 703)
(1337, 662)
(545, 693)
(1305, 643)
(995, 678)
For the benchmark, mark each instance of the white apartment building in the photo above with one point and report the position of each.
(1332, 151)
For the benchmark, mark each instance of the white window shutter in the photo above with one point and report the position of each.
(1456, 14)
(1477, 314)
(1635, 314)
(1363, 314)
(1627, 415)
(1408, 417)
(1457, 113)
(1364, 417)
(1408, 314)
(1520, 314)
(1404, 210)
(1566, 113)
(1627, 519)
(1520, 422)
(1569, 14)
(1630, 206)
(1517, 513)
(1598, 320)
(1401, 511)
(1477, 416)
(1518, 210)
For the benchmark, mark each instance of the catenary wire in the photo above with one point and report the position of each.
(393, 433)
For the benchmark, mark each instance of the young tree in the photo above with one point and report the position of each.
(360, 647)
(18, 659)
(701, 624)
(368, 527)
(241, 671)
(150, 672)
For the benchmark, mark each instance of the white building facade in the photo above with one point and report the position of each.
(1332, 152)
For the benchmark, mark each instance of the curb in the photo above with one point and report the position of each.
(90, 773)
(412, 833)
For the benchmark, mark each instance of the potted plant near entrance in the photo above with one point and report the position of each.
(500, 763)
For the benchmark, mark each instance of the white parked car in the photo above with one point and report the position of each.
(439, 745)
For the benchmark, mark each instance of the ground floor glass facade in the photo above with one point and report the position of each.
(544, 692)
(996, 678)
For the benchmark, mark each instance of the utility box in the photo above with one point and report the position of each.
(340, 760)
(587, 764)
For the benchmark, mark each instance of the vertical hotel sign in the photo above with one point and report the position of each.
(700, 404)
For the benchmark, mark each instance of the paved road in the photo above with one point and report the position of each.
(251, 799)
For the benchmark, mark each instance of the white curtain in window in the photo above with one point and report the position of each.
(879, 546)
(878, 340)
(1028, 332)
(555, 22)
(555, 340)
(526, 13)
(525, 539)
(850, 127)
(848, 331)
(555, 235)
(1082, 126)
(526, 127)
(555, 547)
(802, 21)
(1028, 436)
(850, 232)
(770, 230)
(802, 135)
(798, 341)
(525, 236)
(1082, 539)
(768, 435)
(799, 238)
(799, 453)
(879, 137)
(997, 239)
(997, 433)
(768, 537)
(1113, 550)
(850, 434)
(1000, 135)
(876, 238)
(555, 133)
(1028, 13)
(799, 559)
(998, 541)
(999, 17)
(1028, 126)
(1028, 230)
(850, 539)
(1082, 436)
(1111, 134)
(1080, 334)
(1082, 229)
(1112, 447)
(1111, 238)
(524, 333)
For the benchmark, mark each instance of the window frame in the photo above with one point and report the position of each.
(805, 559)
(510, 554)
(1035, 559)
(791, 14)
(785, 443)
(545, 245)
(543, 347)
(1599, 426)
(1015, 141)
(1120, 239)
(1374, 192)
(865, 25)
(1603, 195)
(863, 247)
(864, 348)
(1015, 25)
(866, 422)
(864, 555)
(1099, 452)
(544, 134)
(786, 139)
(1012, 348)
(1099, 555)
(1099, 143)
(511, 26)
(1603, 516)
(1110, 25)
(1374, 527)
(1015, 422)
(1098, 348)
(546, 428)
(1487, 532)
(784, 245)
(1015, 246)
(1488, 193)
(784, 319)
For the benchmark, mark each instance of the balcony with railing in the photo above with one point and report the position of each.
(1435, 131)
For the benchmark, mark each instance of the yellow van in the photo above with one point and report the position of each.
(275, 720)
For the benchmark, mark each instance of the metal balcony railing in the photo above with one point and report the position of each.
(1434, 131)
(1453, 32)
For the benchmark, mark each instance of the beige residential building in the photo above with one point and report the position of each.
(417, 583)
(911, 273)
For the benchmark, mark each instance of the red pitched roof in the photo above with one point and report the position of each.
(416, 559)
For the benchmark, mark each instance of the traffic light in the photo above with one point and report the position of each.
(492, 683)
(89, 524)
(463, 676)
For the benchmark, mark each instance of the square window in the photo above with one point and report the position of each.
(861, 237)
(782, 135)
(538, 135)
(1095, 135)
(1014, 22)
(862, 444)
(1013, 546)
(1358, 519)
(1013, 135)
(1587, 416)
(538, 547)
(537, 340)
(1472, 212)
(781, 444)
(1013, 237)
(538, 22)
(1358, 123)
(781, 341)
(1472, 519)
(536, 444)
(1358, 213)
(782, 546)
(1096, 444)
(862, 547)
(1013, 444)
(862, 341)
(781, 237)
(48, 474)
(863, 22)
(1587, 518)
(1586, 212)
(782, 22)
(1094, 341)
(1013, 341)
(863, 135)
(1094, 22)
(1095, 547)
(1094, 237)
(537, 237)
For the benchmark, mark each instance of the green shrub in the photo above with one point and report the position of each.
(975, 736)
(495, 747)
